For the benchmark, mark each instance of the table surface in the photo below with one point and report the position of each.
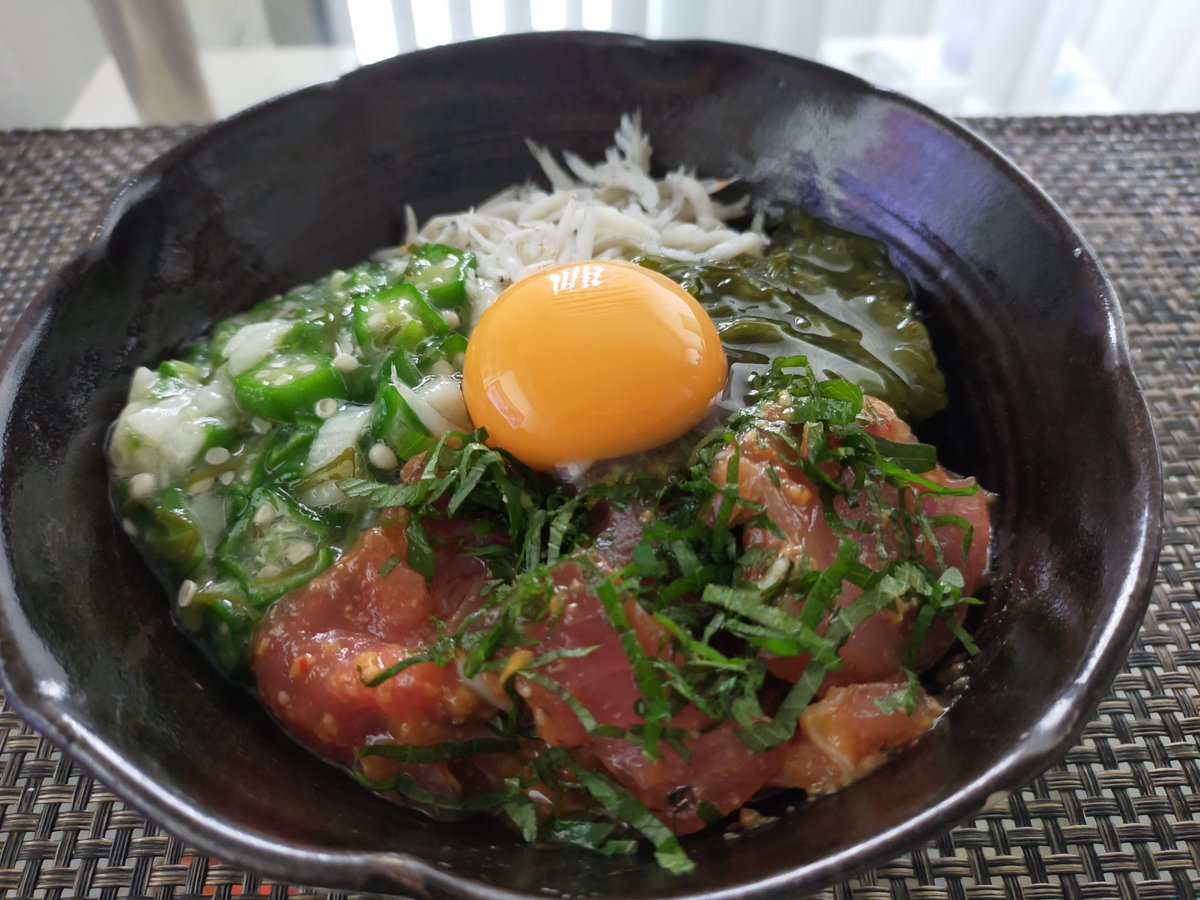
(1119, 817)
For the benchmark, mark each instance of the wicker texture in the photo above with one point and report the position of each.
(1119, 817)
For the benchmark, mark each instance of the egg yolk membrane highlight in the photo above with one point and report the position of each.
(591, 361)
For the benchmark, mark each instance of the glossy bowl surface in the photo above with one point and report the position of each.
(1044, 410)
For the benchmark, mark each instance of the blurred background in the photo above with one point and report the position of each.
(102, 63)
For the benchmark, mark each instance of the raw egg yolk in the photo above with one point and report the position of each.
(590, 361)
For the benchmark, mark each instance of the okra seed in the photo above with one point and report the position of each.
(129, 527)
(202, 485)
(282, 379)
(269, 571)
(377, 321)
(260, 426)
(306, 368)
(345, 363)
(442, 367)
(216, 455)
(264, 514)
(227, 477)
(451, 318)
(187, 591)
(142, 485)
(381, 456)
(325, 407)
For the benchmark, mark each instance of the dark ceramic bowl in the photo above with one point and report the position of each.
(1043, 408)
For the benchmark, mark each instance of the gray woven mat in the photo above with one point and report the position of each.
(1120, 817)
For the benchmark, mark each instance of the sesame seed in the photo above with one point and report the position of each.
(260, 426)
(265, 514)
(227, 477)
(442, 367)
(199, 487)
(306, 368)
(283, 698)
(451, 318)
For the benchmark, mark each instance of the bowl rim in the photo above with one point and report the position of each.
(1054, 733)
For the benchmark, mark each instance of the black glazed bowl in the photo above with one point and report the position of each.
(1044, 409)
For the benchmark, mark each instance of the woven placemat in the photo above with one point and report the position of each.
(1120, 817)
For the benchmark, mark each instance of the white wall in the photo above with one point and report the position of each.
(965, 57)
(49, 49)
(228, 23)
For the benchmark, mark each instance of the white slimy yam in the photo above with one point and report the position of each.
(336, 435)
(251, 344)
(139, 386)
(163, 436)
(438, 403)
